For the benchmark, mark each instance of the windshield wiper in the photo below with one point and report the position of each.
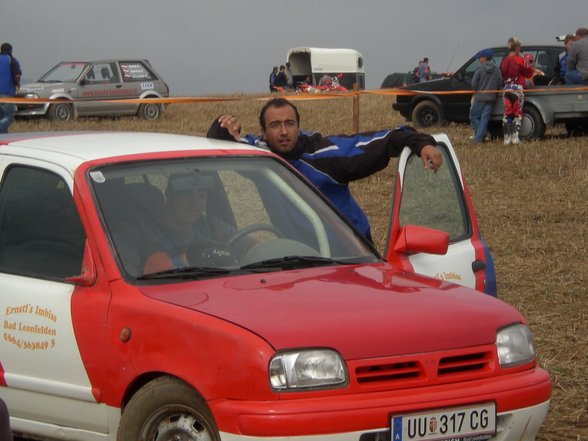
(189, 272)
(293, 262)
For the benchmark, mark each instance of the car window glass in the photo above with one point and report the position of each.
(434, 200)
(40, 231)
(105, 73)
(215, 200)
(64, 72)
(544, 62)
(136, 71)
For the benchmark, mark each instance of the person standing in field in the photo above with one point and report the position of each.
(515, 71)
(10, 73)
(486, 81)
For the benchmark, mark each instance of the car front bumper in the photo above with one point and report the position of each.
(522, 401)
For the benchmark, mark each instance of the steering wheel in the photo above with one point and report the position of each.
(252, 229)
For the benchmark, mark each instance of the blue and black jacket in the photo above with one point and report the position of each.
(332, 162)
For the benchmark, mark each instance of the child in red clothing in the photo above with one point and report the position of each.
(515, 71)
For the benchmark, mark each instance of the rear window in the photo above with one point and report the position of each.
(136, 71)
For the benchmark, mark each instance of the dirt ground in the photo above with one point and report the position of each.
(532, 206)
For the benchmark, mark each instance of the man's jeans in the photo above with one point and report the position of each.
(6, 115)
(480, 114)
(573, 77)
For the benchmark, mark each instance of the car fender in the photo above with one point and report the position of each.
(542, 107)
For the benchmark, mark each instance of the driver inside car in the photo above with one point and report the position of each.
(184, 235)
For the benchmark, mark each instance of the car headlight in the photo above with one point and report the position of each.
(307, 368)
(515, 345)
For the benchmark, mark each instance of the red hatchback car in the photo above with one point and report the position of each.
(163, 287)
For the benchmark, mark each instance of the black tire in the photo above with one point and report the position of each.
(150, 111)
(60, 112)
(167, 408)
(532, 126)
(426, 114)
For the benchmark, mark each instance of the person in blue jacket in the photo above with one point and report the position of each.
(329, 162)
(10, 73)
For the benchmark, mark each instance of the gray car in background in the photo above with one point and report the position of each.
(81, 88)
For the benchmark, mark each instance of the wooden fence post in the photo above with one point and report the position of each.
(355, 108)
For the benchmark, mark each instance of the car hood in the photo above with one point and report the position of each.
(361, 311)
(38, 87)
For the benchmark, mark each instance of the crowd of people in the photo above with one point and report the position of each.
(516, 73)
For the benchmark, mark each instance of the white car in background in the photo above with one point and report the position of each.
(85, 88)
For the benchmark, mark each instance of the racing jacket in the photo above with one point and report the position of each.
(331, 162)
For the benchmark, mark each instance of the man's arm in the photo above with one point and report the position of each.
(225, 127)
(359, 156)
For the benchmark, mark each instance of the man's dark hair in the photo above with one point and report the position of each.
(6, 48)
(277, 102)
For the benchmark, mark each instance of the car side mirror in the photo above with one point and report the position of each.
(417, 239)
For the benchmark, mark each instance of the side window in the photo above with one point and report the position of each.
(136, 71)
(545, 63)
(40, 231)
(104, 73)
(434, 200)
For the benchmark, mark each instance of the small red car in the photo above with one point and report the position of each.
(166, 287)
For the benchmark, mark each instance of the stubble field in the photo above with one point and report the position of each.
(532, 205)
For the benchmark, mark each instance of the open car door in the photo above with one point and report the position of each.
(433, 229)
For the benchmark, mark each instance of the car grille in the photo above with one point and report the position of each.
(424, 369)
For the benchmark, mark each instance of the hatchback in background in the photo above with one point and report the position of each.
(82, 88)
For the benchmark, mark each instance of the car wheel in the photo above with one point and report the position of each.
(532, 125)
(60, 112)
(150, 111)
(164, 409)
(426, 114)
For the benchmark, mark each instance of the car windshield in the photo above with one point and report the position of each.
(66, 72)
(210, 217)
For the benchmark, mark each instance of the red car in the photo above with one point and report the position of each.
(268, 318)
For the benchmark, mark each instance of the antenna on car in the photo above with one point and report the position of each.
(452, 57)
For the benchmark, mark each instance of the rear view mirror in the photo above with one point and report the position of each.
(416, 239)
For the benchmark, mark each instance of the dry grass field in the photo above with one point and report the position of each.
(532, 204)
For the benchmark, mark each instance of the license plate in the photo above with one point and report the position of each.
(471, 423)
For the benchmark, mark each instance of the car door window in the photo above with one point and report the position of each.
(105, 73)
(435, 199)
(40, 231)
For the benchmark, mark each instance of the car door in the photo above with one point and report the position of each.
(101, 83)
(43, 245)
(440, 201)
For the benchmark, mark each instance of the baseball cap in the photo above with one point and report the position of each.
(529, 57)
(486, 53)
(190, 182)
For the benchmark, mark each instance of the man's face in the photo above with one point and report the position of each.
(187, 206)
(281, 128)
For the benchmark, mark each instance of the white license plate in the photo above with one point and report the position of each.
(471, 423)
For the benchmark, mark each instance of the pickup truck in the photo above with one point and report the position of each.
(545, 105)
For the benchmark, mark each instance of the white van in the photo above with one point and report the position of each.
(315, 62)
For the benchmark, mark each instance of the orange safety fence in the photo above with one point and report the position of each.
(293, 97)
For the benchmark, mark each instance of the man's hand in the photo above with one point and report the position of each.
(232, 124)
(431, 157)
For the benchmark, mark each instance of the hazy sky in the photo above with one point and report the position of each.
(207, 47)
